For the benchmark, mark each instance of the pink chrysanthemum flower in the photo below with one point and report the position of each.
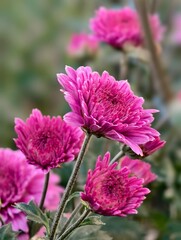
(47, 142)
(152, 146)
(112, 192)
(120, 26)
(139, 168)
(21, 182)
(106, 107)
(82, 44)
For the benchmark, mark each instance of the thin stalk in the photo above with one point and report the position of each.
(117, 157)
(70, 185)
(32, 228)
(75, 211)
(123, 66)
(163, 81)
(75, 225)
(153, 6)
(45, 187)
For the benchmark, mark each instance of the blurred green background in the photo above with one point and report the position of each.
(33, 41)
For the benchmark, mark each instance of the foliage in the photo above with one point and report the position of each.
(35, 214)
(6, 233)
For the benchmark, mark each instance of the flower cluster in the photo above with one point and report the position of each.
(81, 45)
(122, 26)
(113, 192)
(21, 182)
(106, 107)
(47, 142)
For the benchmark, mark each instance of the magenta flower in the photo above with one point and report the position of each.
(47, 142)
(112, 192)
(152, 146)
(106, 107)
(21, 182)
(139, 168)
(82, 44)
(122, 26)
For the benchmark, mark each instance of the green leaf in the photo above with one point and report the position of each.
(73, 195)
(6, 233)
(35, 214)
(92, 220)
(89, 233)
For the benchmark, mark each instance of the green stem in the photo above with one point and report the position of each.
(153, 6)
(45, 187)
(69, 186)
(75, 225)
(117, 157)
(123, 66)
(75, 211)
(33, 228)
(163, 85)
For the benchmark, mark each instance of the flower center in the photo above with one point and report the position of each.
(112, 105)
(45, 147)
(113, 187)
(44, 141)
(112, 191)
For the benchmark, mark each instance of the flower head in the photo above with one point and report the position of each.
(106, 107)
(47, 142)
(21, 182)
(82, 44)
(112, 192)
(139, 168)
(120, 26)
